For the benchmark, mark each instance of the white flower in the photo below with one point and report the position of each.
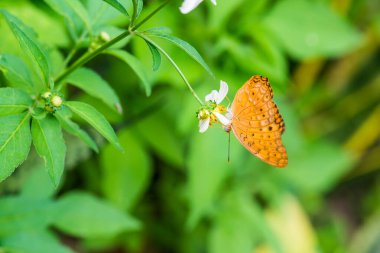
(189, 5)
(206, 117)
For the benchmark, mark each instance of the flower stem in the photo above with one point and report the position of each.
(173, 63)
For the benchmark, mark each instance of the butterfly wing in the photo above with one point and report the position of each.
(257, 123)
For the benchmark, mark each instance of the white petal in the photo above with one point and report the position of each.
(214, 2)
(223, 90)
(203, 125)
(222, 119)
(213, 96)
(229, 115)
(189, 5)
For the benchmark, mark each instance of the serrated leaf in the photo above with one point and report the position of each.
(71, 127)
(156, 55)
(125, 176)
(136, 66)
(28, 42)
(20, 214)
(49, 144)
(93, 84)
(95, 119)
(86, 216)
(185, 46)
(13, 101)
(320, 26)
(16, 72)
(15, 140)
(118, 6)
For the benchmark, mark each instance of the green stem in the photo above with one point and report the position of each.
(174, 64)
(134, 28)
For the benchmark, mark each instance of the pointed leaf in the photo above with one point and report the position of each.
(140, 6)
(118, 6)
(13, 101)
(156, 55)
(189, 49)
(28, 42)
(86, 216)
(95, 119)
(16, 72)
(71, 127)
(15, 140)
(90, 82)
(49, 143)
(136, 66)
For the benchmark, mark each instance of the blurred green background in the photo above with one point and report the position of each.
(322, 58)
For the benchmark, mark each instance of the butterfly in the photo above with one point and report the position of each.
(257, 123)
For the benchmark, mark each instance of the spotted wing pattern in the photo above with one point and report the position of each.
(257, 122)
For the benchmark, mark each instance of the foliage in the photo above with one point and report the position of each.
(99, 145)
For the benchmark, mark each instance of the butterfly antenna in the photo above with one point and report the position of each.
(229, 142)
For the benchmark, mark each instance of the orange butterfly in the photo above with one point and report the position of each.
(254, 119)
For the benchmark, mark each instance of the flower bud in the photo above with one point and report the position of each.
(56, 101)
(104, 36)
(46, 94)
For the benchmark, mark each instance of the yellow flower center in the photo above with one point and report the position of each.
(203, 114)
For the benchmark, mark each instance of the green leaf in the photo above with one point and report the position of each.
(13, 101)
(49, 144)
(322, 33)
(71, 127)
(20, 214)
(95, 119)
(34, 241)
(15, 140)
(16, 72)
(140, 6)
(83, 215)
(118, 6)
(93, 84)
(126, 175)
(28, 42)
(189, 49)
(156, 55)
(136, 66)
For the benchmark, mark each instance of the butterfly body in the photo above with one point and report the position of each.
(257, 123)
